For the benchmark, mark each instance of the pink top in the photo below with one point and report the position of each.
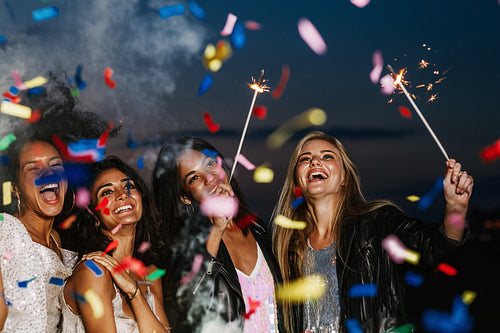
(259, 286)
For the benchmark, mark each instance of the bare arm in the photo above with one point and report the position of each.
(4, 309)
(219, 223)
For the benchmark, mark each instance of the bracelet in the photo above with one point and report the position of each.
(129, 299)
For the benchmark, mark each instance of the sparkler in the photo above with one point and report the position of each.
(258, 87)
(398, 81)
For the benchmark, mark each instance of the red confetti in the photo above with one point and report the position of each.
(135, 265)
(212, 127)
(246, 220)
(491, 152)
(13, 98)
(285, 75)
(102, 205)
(253, 305)
(63, 149)
(259, 111)
(297, 191)
(66, 224)
(35, 116)
(405, 112)
(111, 246)
(104, 136)
(447, 269)
(107, 78)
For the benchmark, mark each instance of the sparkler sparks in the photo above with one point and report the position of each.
(432, 98)
(423, 64)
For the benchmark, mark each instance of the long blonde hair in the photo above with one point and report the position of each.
(289, 245)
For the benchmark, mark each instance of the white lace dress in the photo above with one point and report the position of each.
(31, 276)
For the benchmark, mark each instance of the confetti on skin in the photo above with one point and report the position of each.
(363, 290)
(107, 78)
(491, 152)
(405, 112)
(280, 89)
(447, 269)
(66, 224)
(222, 206)
(82, 197)
(95, 303)
(310, 287)
(246, 220)
(263, 174)
(144, 247)
(245, 162)
(413, 198)
(15, 110)
(457, 221)
(427, 199)
(168, 11)
(259, 111)
(93, 267)
(406, 328)
(205, 84)
(116, 229)
(45, 13)
(311, 36)
(378, 66)
(212, 127)
(468, 296)
(238, 37)
(413, 279)
(398, 252)
(195, 268)
(7, 193)
(296, 202)
(158, 273)
(102, 205)
(79, 298)
(252, 305)
(56, 281)
(387, 82)
(252, 25)
(111, 246)
(8, 255)
(196, 10)
(360, 3)
(209, 153)
(220, 172)
(229, 26)
(140, 162)
(135, 265)
(6, 141)
(353, 326)
(35, 117)
(24, 284)
(285, 222)
(48, 179)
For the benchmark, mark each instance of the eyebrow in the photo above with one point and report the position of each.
(34, 162)
(193, 171)
(321, 151)
(110, 184)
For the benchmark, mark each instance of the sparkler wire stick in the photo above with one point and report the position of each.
(257, 90)
(412, 102)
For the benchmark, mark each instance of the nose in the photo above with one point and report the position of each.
(123, 194)
(315, 160)
(209, 178)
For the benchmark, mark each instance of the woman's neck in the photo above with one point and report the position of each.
(324, 213)
(38, 227)
(126, 240)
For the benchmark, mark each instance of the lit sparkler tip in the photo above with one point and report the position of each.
(261, 77)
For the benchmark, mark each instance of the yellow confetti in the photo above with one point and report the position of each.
(411, 256)
(17, 110)
(263, 174)
(468, 296)
(95, 303)
(413, 198)
(316, 117)
(307, 288)
(289, 224)
(36, 82)
(7, 194)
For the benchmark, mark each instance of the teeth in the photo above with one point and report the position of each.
(46, 187)
(317, 173)
(122, 208)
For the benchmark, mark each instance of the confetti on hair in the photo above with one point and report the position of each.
(144, 247)
(47, 179)
(195, 268)
(353, 326)
(102, 205)
(82, 197)
(311, 36)
(468, 296)
(363, 290)
(212, 127)
(95, 303)
(24, 284)
(263, 174)
(378, 66)
(45, 13)
(140, 162)
(297, 201)
(297, 291)
(158, 273)
(217, 205)
(245, 162)
(133, 264)
(259, 111)
(413, 279)
(280, 89)
(93, 267)
(68, 222)
(107, 78)
(387, 82)
(252, 306)
(6, 141)
(8, 255)
(252, 25)
(229, 26)
(168, 11)
(209, 153)
(35, 116)
(447, 269)
(56, 281)
(196, 10)
(398, 252)
(285, 222)
(205, 84)
(7, 193)
(491, 152)
(116, 229)
(427, 199)
(404, 111)
(360, 3)
(15, 110)
(238, 37)
(111, 246)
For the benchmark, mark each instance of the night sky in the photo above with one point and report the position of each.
(157, 67)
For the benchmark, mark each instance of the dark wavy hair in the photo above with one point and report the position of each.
(87, 234)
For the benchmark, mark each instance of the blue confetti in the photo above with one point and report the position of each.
(35, 91)
(4, 160)
(79, 298)
(56, 281)
(24, 284)
(168, 11)
(3, 39)
(209, 153)
(298, 201)
(238, 37)
(13, 90)
(6, 300)
(363, 290)
(353, 326)
(93, 267)
(78, 78)
(140, 163)
(413, 279)
(45, 13)
(205, 84)
(7, 100)
(458, 321)
(131, 143)
(196, 10)
(83, 145)
(49, 179)
(427, 199)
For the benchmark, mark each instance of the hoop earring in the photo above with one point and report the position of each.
(72, 203)
(190, 209)
(19, 204)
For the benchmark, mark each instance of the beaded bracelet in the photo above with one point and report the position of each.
(129, 299)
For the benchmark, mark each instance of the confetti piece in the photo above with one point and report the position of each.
(36, 82)
(45, 13)
(412, 198)
(413, 279)
(107, 78)
(6, 141)
(35, 116)
(66, 224)
(245, 162)
(18, 81)
(95, 303)
(24, 284)
(144, 247)
(457, 220)
(263, 174)
(158, 273)
(259, 112)
(378, 66)
(196, 10)
(220, 172)
(398, 252)
(8, 255)
(311, 36)
(81, 85)
(116, 229)
(209, 153)
(406, 328)
(11, 98)
(140, 162)
(93, 267)
(205, 84)
(360, 3)
(353, 326)
(1, 217)
(79, 298)
(230, 22)
(212, 127)
(47, 179)
(310, 287)
(280, 89)
(102, 205)
(387, 83)
(56, 281)
(246, 220)
(468, 296)
(491, 152)
(82, 197)
(223, 206)
(363, 290)
(135, 265)
(447, 269)
(285, 222)
(238, 37)
(111, 246)
(252, 306)
(7, 193)
(427, 199)
(173, 10)
(252, 25)
(195, 268)
(458, 321)
(35, 91)
(296, 202)
(404, 111)
(15, 110)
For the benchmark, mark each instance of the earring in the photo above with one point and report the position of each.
(72, 203)
(19, 204)
(190, 209)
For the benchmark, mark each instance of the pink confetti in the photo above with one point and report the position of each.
(378, 65)
(144, 247)
(397, 251)
(221, 172)
(195, 268)
(228, 27)
(82, 198)
(457, 220)
(116, 229)
(311, 36)
(285, 75)
(245, 162)
(360, 3)
(18, 81)
(387, 83)
(8, 255)
(222, 206)
(252, 25)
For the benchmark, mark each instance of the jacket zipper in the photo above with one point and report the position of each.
(208, 272)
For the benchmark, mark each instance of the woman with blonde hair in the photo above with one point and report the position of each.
(344, 234)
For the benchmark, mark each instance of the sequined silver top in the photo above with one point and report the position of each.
(32, 276)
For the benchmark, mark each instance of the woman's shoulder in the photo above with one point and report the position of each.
(88, 273)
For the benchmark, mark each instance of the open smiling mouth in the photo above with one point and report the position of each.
(123, 208)
(50, 192)
(317, 175)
